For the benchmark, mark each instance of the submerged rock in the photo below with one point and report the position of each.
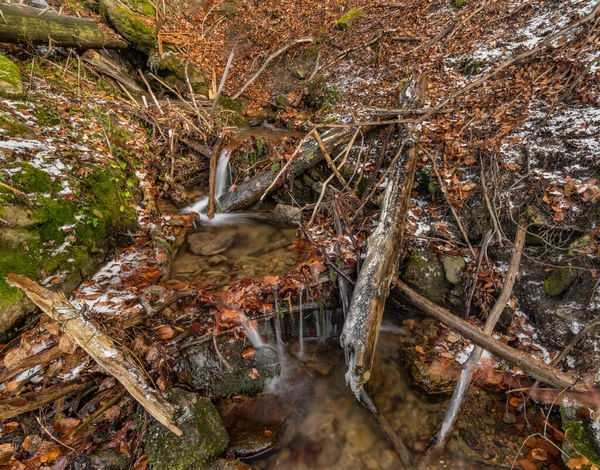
(11, 83)
(202, 369)
(211, 243)
(203, 439)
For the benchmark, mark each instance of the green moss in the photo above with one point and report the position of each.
(170, 65)
(143, 7)
(560, 280)
(11, 83)
(470, 66)
(320, 96)
(33, 180)
(580, 242)
(204, 436)
(11, 127)
(347, 19)
(47, 115)
(129, 25)
(577, 442)
(459, 3)
(229, 103)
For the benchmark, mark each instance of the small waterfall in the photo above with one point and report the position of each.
(251, 331)
(278, 338)
(222, 182)
(317, 320)
(301, 326)
(222, 173)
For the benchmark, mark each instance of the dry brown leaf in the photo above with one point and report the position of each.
(67, 344)
(66, 425)
(14, 357)
(164, 333)
(580, 463)
(539, 454)
(6, 452)
(248, 353)
(9, 427)
(32, 443)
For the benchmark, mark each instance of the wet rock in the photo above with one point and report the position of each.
(286, 215)
(266, 421)
(11, 83)
(560, 280)
(426, 275)
(454, 267)
(203, 370)
(432, 375)
(216, 260)
(210, 243)
(204, 436)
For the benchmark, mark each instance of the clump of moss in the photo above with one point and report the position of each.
(11, 83)
(459, 3)
(470, 66)
(143, 7)
(321, 97)
(129, 25)
(560, 280)
(11, 127)
(33, 180)
(347, 19)
(47, 114)
(577, 442)
(203, 439)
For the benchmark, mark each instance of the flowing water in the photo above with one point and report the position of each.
(307, 418)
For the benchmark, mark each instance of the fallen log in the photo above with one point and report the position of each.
(22, 24)
(100, 347)
(14, 406)
(537, 368)
(110, 68)
(468, 369)
(361, 329)
(307, 156)
(37, 359)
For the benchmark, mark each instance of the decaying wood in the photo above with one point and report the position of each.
(532, 365)
(37, 359)
(361, 329)
(468, 369)
(308, 155)
(22, 24)
(110, 68)
(14, 406)
(100, 347)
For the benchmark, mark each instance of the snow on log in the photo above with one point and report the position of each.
(100, 347)
(361, 329)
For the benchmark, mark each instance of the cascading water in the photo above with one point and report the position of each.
(222, 183)
(301, 326)
(251, 331)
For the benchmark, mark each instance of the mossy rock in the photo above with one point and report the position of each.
(578, 440)
(347, 19)
(170, 66)
(579, 243)
(203, 439)
(11, 127)
(427, 276)
(129, 24)
(143, 7)
(470, 66)
(560, 280)
(11, 83)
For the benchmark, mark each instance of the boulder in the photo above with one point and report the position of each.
(454, 267)
(16, 216)
(286, 214)
(11, 83)
(427, 276)
(127, 19)
(203, 439)
(203, 370)
(173, 70)
(559, 280)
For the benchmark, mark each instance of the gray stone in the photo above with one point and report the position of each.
(204, 370)
(210, 243)
(454, 266)
(286, 214)
(426, 275)
(11, 83)
(203, 439)
(16, 216)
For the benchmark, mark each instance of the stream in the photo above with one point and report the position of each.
(307, 418)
